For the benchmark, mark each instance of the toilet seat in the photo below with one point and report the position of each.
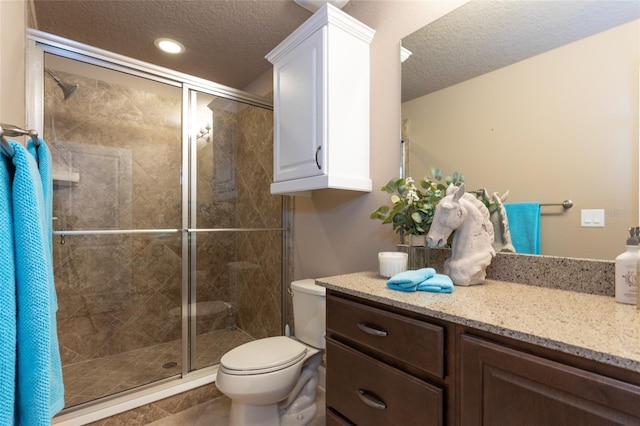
(263, 356)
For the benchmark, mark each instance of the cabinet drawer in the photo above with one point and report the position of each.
(332, 419)
(368, 392)
(407, 340)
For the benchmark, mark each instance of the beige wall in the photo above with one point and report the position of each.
(561, 125)
(332, 230)
(12, 61)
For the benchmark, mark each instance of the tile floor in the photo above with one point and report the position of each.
(216, 413)
(93, 379)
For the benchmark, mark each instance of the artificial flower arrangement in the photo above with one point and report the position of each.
(412, 209)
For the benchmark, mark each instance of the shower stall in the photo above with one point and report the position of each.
(168, 248)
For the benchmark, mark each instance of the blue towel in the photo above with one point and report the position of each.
(45, 167)
(438, 283)
(524, 225)
(40, 391)
(42, 154)
(7, 297)
(409, 280)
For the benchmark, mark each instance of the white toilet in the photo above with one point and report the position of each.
(272, 381)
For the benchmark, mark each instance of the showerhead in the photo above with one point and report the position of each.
(68, 89)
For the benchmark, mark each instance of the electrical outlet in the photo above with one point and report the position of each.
(592, 218)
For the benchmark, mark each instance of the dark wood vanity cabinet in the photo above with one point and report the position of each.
(387, 366)
(373, 376)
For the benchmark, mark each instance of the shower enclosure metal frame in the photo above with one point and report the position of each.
(39, 43)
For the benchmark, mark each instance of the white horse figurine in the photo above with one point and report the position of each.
(502, 235)
(471, 247)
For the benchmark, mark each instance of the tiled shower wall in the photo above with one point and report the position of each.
(120, 292)
(259, 293)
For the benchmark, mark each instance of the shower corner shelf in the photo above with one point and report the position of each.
(65, 178)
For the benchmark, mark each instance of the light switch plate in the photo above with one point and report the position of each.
(592, 218)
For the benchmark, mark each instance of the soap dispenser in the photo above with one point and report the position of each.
(627, 269)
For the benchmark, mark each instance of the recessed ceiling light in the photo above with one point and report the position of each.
(169, 46)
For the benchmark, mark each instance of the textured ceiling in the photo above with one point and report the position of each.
(482, 36)
(226, 40)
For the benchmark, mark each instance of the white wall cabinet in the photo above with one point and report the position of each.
(321, 105)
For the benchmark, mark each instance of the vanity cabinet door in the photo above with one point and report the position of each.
(369, 392)
(502, 386)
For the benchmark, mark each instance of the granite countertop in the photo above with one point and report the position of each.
(587, 325)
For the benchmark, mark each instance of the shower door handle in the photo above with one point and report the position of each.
(317, 152)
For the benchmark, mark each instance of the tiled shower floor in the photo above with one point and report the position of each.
(96, 378)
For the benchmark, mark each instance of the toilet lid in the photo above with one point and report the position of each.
(263, 355)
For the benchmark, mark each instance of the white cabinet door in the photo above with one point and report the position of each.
(299, 102)
(321, 105)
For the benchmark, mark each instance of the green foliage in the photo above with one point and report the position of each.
(412, 209)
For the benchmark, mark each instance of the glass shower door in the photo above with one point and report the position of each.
(168, 246)
(116, 146)
(235, 225)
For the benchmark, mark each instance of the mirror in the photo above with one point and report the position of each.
(538, 98)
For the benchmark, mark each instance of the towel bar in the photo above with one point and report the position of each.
(4, 145)
(566, 204)
(13, 131)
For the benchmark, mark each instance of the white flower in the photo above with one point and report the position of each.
(412, 193)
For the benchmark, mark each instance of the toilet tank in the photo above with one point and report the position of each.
(309, 312)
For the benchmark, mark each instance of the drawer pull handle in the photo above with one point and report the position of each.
(373, 330)
(371, 400)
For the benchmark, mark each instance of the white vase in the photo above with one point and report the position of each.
(417, 240)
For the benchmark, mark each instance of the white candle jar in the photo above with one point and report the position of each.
(392, 262)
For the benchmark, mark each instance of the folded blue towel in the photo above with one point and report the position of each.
(524, 225)
(438, 283)
(7, 298)
(409, 280)
(40, 391)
